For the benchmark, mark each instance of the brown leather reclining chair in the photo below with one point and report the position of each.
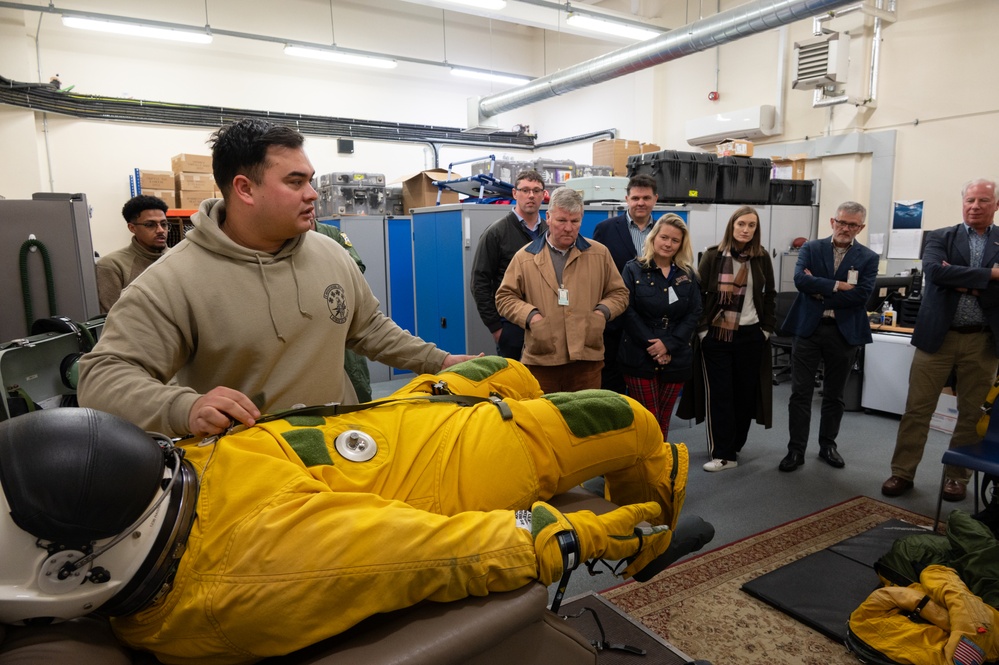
(501, 628)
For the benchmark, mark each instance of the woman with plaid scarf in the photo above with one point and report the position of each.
(731, 383)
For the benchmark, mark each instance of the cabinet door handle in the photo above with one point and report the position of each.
(443, 322)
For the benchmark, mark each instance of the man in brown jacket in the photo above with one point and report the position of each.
(563, 289)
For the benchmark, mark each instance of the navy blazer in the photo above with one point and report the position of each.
(614, 234)
(815, 291)
(940, 291)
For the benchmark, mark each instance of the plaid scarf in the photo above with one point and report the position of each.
(731, 294)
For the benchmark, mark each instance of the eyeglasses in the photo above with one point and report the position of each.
(152, 226)
(531, 192)
(850, 226)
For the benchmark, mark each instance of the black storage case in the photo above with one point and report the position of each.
(743, 180)
(791, 192)
(681, 177)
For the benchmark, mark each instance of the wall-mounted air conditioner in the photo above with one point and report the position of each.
(751, 123)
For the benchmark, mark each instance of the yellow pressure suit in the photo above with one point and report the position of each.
(294, 543)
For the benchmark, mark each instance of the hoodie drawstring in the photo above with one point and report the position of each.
(267, 290)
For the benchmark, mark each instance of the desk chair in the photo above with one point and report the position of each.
(982, 456)
(780, 342)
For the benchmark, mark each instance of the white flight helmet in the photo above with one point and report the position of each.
(92, 517)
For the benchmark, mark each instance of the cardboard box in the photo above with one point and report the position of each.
(191, 200)
(168, 196)
(155, 180)
(945, 416)
(187, 163)
(735, 148)
(194, 181)
(615, 153)
(419, 191)
(791, 167)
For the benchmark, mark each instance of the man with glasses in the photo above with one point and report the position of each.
(146, 218)
(957, 329)
(625, 236)
(828, 319)
(497, 245)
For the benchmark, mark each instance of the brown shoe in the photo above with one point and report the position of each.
(953, 490)
(896, 486)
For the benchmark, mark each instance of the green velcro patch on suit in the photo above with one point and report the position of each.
(541, 516)
(309, 445)
(589, 412)
(479, 369)
(306, 421)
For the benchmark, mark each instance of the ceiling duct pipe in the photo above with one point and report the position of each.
(727, 26)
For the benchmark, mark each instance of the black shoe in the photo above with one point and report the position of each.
(791, 461)
(832, 457)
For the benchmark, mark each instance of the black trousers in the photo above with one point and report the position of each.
(511, 341)
(827, 346)
(732, 381)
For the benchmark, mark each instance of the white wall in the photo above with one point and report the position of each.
(97, 157)
(936, 90)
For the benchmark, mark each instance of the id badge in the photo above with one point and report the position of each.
(563, 297)
(851, 277)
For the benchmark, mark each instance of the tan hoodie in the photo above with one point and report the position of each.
(214, 313)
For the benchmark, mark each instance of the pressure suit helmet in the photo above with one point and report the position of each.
(94, 514)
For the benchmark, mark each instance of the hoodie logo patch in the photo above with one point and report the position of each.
(336, 300)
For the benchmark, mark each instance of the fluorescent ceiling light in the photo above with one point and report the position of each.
(137, 29)
(489, 76)
(494, 5)
(343, 57)
(610, 27)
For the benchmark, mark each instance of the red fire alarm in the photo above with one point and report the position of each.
(713, 96)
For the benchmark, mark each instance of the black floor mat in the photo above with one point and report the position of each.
(822, 589)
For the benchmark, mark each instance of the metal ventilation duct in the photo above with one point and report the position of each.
(727, 26)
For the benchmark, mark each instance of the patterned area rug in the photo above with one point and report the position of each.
(697, 605)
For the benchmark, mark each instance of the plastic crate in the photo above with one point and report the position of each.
(352, 179)
(336, 201)
(588, 170)
(743, 180)
(791, 192)
(503, 169)
(681, 177)
(555, 171)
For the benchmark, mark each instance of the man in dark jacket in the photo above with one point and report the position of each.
(956, 329)
(625, 236)
(834, 277)
(497, 245)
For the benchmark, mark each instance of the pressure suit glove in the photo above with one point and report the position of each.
(565, 541)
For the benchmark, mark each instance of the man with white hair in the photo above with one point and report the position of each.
(957, 329)
(563, 289)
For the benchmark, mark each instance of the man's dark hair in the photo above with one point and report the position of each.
(136, 205)
(529, 175)
(240, 148)
(643, 180)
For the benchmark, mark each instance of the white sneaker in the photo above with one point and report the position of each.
(720, 465)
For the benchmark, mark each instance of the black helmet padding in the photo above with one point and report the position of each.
(74, 475)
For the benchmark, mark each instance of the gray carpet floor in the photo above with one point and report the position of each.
(755, 496)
